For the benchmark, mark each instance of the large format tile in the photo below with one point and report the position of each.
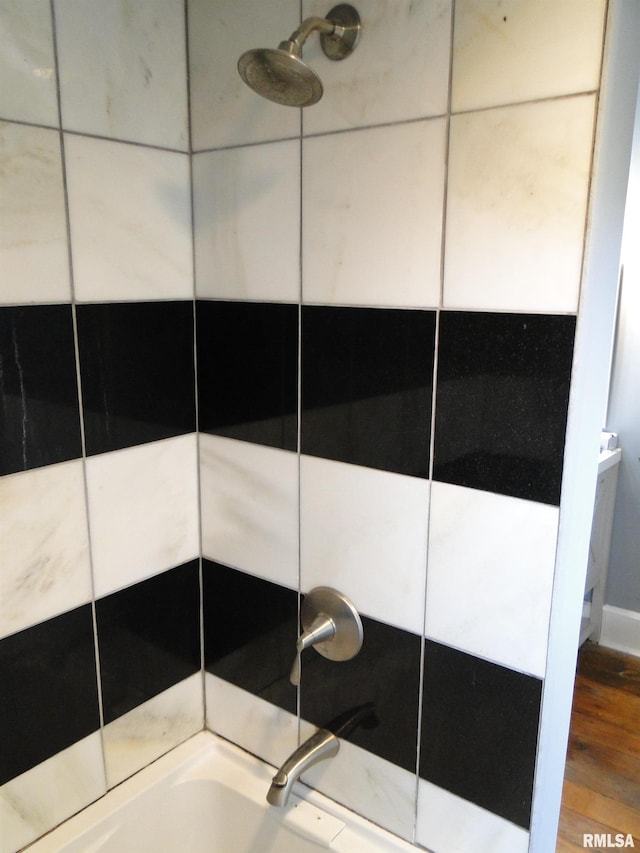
(507, 51)
(502, 392)
(247, 222)
(123, 69)
(367, 377)
(249, 508)
(364, 532)
(248, 371)
(35, 268)
(49, 697)
(224, 111)
(398, 71)
(130, 213)
(516, 206)
(153, 728)
(501, 551)
(45, 546)
(374, 236)
(148, 638)
(137, 371)
(39, 391)
(143, 511)
(39, 799)
(27, 63)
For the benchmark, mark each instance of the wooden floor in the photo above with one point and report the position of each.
(601, 791)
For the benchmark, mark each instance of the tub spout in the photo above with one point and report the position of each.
(322, 744)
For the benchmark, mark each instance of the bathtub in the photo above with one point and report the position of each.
(208, 796)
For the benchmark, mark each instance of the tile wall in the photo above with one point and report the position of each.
(100, 653)
(386, 289)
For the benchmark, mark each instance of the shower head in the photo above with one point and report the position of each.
(281, 75)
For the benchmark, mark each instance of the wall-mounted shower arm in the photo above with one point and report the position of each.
(310, 25)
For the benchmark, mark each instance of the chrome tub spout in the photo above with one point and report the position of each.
(322, 744)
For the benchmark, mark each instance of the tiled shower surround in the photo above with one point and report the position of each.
(247, 351)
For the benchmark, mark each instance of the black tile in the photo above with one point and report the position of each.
(137, 369)
(479, 731)
(367, 376)
(501, 403)
(382, 681)
(49, 693)
(148, 638)
(250, 632)
(39, 413)
(248, 371)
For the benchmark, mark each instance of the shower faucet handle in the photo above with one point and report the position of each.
(331, 624)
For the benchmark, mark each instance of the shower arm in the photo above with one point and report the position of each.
(298, 37)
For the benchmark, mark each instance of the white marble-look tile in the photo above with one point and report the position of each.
(145, 733)
(224, 110)
(33, 236)
(44, 545)
(507, 51)
(250, 507)
(398, 71)
(448, 824)
(130, 210)
(36, 801)
(27, 64)
(516, 207)
(123, 69)
(490, 575)
(369, 785)
(263, 729)
(372, 216)
(364, 532)
(247, 222)
(143, 511)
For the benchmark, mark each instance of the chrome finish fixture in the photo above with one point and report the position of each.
(331, 625)
(281, 75)
(322, 744)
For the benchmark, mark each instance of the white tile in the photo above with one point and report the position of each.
(250, 508)
(449, 824)
(263, 729)
(143, 511)
(372, 216)
(499, 552)
(368, 785)
(507, 51)
(33, 237)
(27, 64)
(123, 69)
(516, 206)
(398, 71)
(44, 546)
(224, 111)
(41, 798)
(364, 532)
(140, 736)
(247, 222)
(130, 212)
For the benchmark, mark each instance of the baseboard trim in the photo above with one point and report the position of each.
(620, 630)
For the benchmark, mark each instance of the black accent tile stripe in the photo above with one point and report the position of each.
(39, 412)
(502, 397)
(137, 369)
(49, 692)
(375, 694)
(248, 371)
(479, 731)
(367, 377)
(250, 632)
(148, 638)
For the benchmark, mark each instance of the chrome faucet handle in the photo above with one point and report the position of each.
(331, 625)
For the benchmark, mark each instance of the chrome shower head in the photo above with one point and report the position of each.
(280, 74)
